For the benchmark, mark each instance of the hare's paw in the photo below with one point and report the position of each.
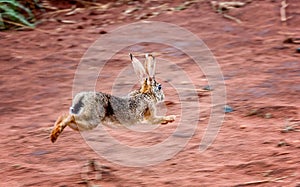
(168, 119)
(55, 133)
(171, 118)
(58, 127)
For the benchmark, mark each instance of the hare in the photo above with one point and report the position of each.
(89, 109)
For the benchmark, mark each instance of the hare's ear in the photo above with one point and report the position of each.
(138, 68)
(149, 65)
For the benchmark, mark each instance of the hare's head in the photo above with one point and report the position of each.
(146, 76)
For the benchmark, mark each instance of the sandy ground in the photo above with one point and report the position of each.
(258, 144)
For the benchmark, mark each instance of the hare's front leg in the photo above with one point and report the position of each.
(150, 115)
(164, 119)
(61, 122)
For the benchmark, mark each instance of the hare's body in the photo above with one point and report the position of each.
(92, 108)
(89, 109)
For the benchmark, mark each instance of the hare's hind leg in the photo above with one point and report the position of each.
(61, 123)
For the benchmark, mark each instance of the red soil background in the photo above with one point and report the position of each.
(259, 142)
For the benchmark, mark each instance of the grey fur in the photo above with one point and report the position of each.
(110, 110)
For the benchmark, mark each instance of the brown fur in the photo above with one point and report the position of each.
(145, 87)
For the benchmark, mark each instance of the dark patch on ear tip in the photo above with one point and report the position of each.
(76, 108)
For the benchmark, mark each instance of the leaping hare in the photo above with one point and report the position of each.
(89, 109)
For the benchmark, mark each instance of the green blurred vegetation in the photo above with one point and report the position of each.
(14, 14)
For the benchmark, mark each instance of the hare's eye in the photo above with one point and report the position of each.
(159, 87)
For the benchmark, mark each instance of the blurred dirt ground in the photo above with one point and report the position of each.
(258, 145)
